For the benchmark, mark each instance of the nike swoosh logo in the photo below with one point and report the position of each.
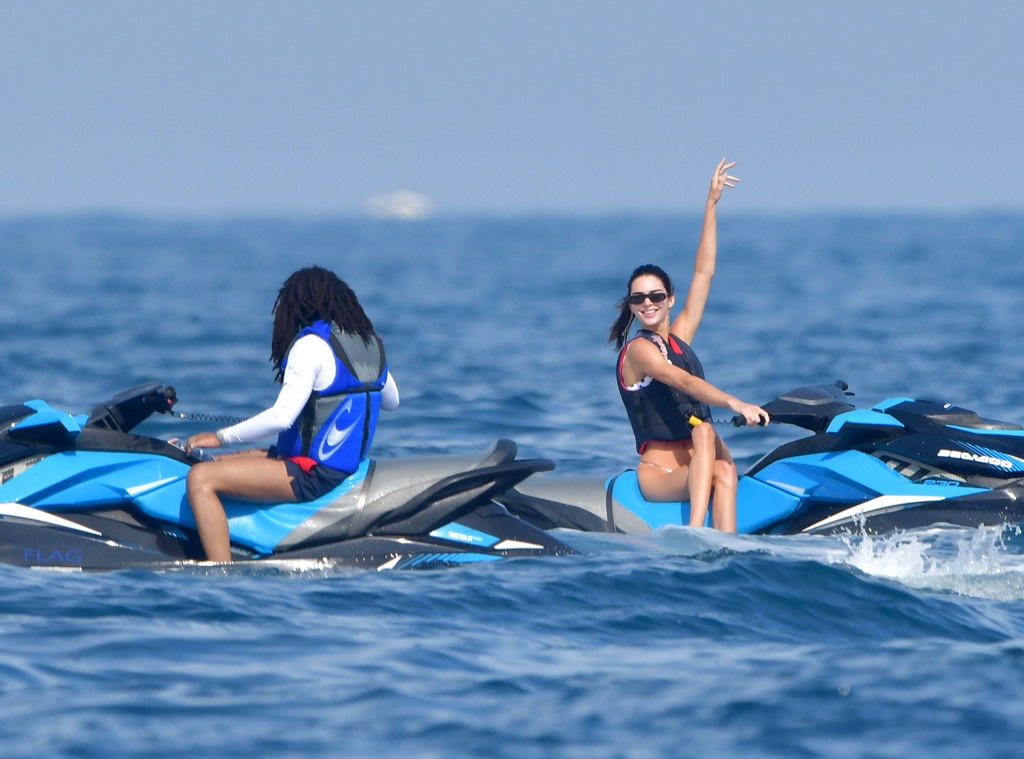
(336, 436)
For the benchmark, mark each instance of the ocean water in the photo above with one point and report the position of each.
(681, 643)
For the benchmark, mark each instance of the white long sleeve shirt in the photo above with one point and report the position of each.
(310, 366)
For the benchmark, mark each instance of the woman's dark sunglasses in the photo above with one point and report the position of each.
(637, 299)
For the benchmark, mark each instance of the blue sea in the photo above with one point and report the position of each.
(683, 643)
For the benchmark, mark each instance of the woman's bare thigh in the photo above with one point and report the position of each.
(251, 478)
(658, 485)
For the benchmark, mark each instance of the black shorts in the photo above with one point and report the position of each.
(319, 481)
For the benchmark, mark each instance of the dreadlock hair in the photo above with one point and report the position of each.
(620, 328)
(310, 295)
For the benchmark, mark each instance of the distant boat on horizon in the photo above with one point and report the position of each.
(400, 204)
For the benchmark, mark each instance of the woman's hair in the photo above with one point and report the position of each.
(620, 328)
(309, 295)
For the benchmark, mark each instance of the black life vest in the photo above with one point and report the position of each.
(658, 411)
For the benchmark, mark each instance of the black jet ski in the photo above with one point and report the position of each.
(85, 493)
(901, 464)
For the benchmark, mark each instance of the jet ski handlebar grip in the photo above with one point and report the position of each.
(740, 421)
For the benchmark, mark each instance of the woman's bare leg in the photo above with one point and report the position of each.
(702, 472)
(723, 510)
(257, 479)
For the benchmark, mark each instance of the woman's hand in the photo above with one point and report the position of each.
(202, 440)
(754, 415)
(721, 179)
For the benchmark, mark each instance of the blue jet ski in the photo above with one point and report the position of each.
(901, 464)
(85, 493)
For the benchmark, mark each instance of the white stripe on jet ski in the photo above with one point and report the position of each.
(515, 545)
(881, 503)
(27, 512)
(389, 564)
(146, 487)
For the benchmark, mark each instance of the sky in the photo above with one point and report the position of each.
(213, 107)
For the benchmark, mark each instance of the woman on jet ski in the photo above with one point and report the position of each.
(661, 382)
(334, 380)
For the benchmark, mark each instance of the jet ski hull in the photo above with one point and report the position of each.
(83, 493)
(88, 544)
(902, 464)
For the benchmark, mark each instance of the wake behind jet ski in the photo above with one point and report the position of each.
(85, 493)
(901, 464)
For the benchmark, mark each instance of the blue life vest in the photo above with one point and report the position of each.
(658, 411)
(336, 426)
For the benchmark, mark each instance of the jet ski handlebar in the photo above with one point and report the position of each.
(740, 421)
(127, 409)
(811, 407)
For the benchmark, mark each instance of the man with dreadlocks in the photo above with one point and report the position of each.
(334, 381)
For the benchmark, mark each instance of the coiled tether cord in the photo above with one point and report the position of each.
(209, 418)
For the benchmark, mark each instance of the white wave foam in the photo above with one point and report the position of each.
(980, 563)
(969, 562)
